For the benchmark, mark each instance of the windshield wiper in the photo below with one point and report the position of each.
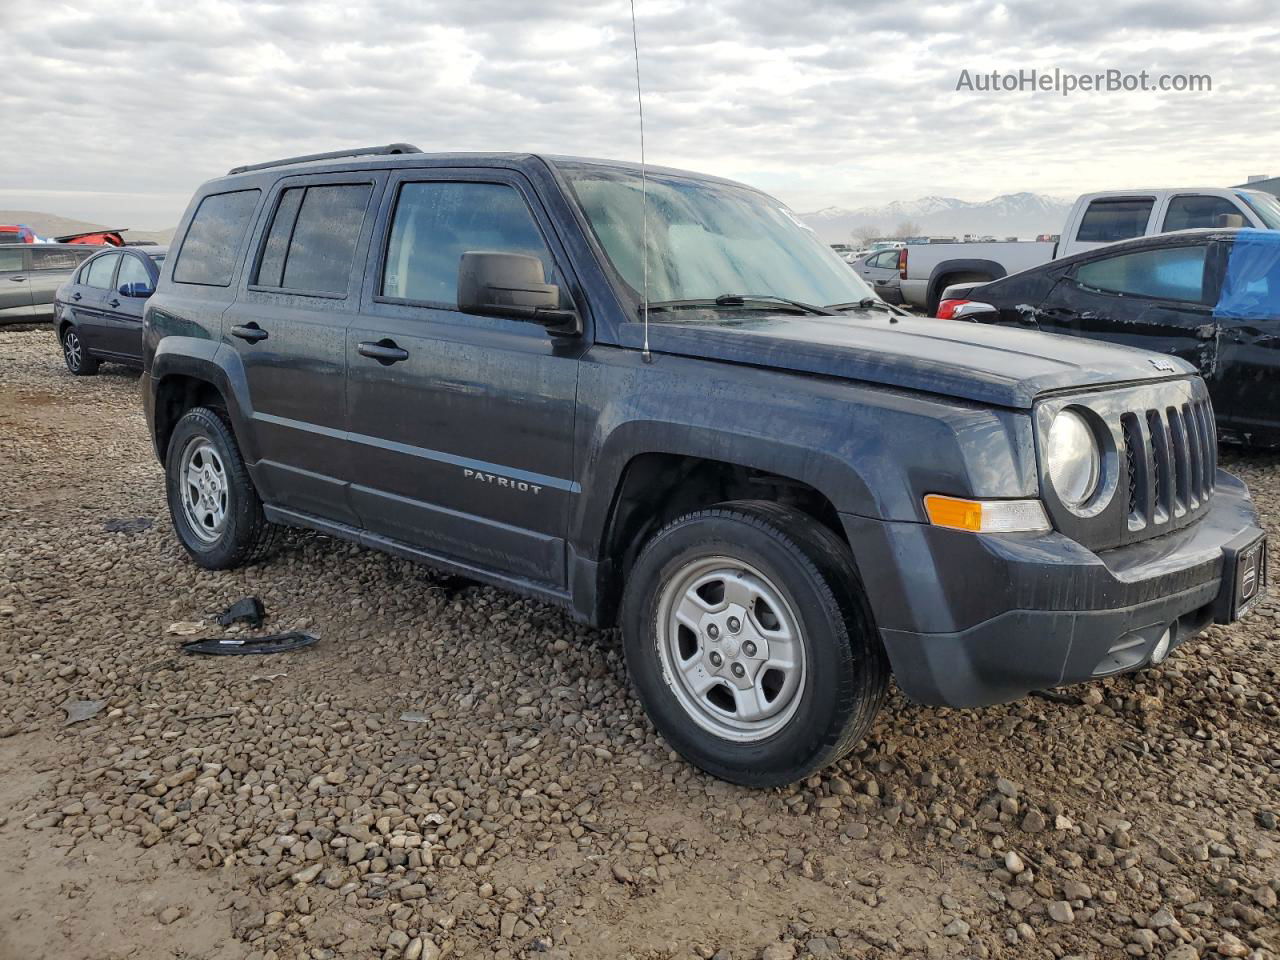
(868, 303)
(741, 300)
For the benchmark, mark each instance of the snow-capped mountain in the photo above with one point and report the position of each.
(1008, 215)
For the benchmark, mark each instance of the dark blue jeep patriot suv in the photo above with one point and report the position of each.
(781, 489)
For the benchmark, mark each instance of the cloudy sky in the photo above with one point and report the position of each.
(115, 110)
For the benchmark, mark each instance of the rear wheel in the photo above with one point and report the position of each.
(76, 355)
(214, 507)
(750, 643)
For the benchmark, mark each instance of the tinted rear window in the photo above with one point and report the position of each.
(1107, 221)
(313, 237)
(208, 254)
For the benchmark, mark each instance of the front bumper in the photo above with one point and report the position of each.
(972, 620)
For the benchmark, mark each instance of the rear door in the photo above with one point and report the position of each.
(288, 327)
(463, 438)
(15, 285)
(51, 267)
(1157, 299)
(90, 311)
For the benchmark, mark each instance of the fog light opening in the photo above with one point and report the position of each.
(1160, 652)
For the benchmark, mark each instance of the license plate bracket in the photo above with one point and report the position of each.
(1244, 577)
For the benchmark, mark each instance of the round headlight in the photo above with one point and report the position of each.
(1073, 459)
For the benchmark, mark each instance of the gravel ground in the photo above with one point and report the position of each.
(454, 771)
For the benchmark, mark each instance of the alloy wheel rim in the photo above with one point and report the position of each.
(71, 349)
(205, 491)
(731, 648)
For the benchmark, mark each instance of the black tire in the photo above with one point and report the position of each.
(244, 534)
(846, 674)
(75, 354)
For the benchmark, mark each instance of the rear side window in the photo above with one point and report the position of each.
(53, 259)
(1189, 213)
(209, 251)
(98, 272)
(889, 258)
(1107, 221)
(312, 240)
(10, 260)
(1174, 273)
(437, 222)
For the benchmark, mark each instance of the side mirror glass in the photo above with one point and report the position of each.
(511, 285)
(138, 289)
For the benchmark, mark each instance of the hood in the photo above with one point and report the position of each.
(985, 363)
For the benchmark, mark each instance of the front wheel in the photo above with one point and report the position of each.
(749, 641)
(214, 507)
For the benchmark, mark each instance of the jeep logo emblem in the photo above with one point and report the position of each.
(1165, 365)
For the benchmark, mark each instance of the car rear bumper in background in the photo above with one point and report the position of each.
(971, 620)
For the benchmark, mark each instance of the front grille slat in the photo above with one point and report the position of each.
(1196, 450)
(1178, 435)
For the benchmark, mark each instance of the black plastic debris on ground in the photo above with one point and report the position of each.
(127, 524)
(249, 610)
(245, 646)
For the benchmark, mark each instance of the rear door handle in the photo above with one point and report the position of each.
(18, 279)
(249, 331)
(384, 351)
(75, 296)
(113, 303)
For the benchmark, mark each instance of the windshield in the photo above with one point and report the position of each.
(709, 240)
(1266, 206)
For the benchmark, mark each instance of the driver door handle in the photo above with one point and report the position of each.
(250, 332)
(75, 296)
(113, 302)
(18, 279)
(384, 351)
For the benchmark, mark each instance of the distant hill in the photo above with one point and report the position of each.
(1009, 215)
(49, 225)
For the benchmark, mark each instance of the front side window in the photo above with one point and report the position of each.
(212, 245)
(1107, 221)
(707, 239)
(313, 236)
(98, 272)
(10, 260)
(1264, 205)
(1251, 285)
(53, 259)
(132, 270)
(436, 222)
(1173, 273)
(1189, 212)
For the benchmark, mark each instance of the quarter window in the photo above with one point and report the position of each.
(1174, 273)
(212, 245)
(99, 271)
(437, 222)
(312, 240)
(1190, 212)
(1107, 221)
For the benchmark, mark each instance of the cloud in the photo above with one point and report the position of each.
(819, 101)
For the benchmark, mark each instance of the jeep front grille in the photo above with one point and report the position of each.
(1171, 464)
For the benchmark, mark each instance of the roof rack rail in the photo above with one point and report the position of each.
(385, 149)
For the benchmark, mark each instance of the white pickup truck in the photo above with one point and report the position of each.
(1095, 219)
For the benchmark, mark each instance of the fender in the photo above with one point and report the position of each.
(214, 363)
(962, 265)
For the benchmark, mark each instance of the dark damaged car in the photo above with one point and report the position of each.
(794, 493)
(1211, 297)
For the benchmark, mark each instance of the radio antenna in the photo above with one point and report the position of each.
(644, 192)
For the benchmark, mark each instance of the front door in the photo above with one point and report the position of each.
(461, 426)
(1156, 299)
(289, 329)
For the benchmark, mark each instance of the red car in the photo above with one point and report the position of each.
(16, 233)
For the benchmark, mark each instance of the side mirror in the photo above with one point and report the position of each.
(510, 285)
(976, 312)
(137, 289)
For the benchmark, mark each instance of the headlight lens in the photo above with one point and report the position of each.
(1073, 458)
